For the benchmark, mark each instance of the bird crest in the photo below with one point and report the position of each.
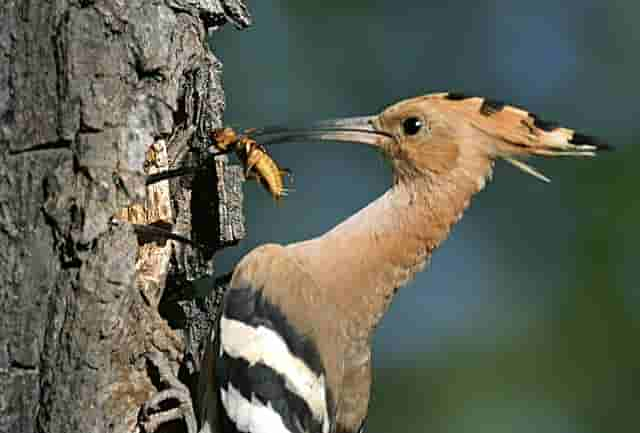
(519, 133)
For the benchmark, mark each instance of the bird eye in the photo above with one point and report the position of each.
(412, 125)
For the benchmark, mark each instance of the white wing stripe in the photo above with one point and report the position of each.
(251, 416)
(261, 344)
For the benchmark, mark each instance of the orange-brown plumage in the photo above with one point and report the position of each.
(336, 287)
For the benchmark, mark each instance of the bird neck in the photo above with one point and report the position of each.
(380, 248)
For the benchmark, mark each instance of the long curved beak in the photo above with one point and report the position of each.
(351, 129)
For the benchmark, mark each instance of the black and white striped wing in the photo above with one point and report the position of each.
(270, 377)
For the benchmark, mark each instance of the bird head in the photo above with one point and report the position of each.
(450, 133)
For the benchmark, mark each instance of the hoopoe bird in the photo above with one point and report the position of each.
(297, 320)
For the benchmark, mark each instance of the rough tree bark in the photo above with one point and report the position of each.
(86, 88)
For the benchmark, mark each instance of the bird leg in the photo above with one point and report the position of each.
(153, 414)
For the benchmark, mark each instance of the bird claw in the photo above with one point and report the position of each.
(153, 413)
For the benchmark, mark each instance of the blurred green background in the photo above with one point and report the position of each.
(528, 317)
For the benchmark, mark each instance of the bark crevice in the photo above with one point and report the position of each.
(86, 89)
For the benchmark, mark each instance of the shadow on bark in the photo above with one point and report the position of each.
(86, 89)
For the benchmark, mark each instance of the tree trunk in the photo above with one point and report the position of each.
(87, 88)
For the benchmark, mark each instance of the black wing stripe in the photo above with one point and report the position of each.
(250, 307)
(260, 350)
(268, 387)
